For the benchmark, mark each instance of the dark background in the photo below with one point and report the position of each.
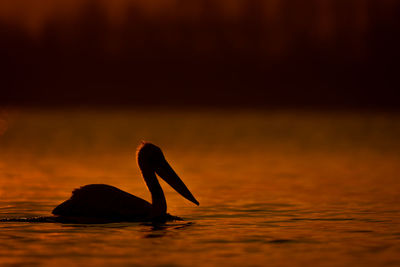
(281, 53)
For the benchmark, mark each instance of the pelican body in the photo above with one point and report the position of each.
(105, 203)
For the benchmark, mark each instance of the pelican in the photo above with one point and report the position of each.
(105, 203)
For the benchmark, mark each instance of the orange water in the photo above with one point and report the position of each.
(280, 188)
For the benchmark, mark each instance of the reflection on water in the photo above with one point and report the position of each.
(276, 188)
(162, 229)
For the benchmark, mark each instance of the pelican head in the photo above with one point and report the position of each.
(151, 160)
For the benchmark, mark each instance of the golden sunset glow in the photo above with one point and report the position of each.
(199, 133)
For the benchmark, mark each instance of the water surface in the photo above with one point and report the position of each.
(281, 188)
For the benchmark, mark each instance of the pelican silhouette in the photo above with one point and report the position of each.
(105, 203)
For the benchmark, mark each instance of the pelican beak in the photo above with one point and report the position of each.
(165, 171)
